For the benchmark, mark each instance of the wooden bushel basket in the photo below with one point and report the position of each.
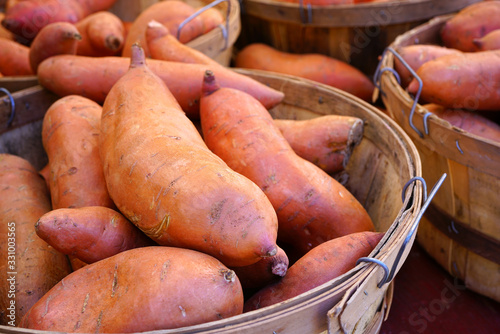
(384, 173)
(217, 43)
(461, 229)
(356, 33)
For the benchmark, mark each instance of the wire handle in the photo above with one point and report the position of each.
(12, 106)
(389, 274)
(224, 28)
(376, 79)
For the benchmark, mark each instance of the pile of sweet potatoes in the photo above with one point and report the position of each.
(461, 76)
(171, 196)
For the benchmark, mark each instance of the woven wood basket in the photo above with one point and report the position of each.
(461, 229)
(355, 33)
(381, 173)
(217, 44)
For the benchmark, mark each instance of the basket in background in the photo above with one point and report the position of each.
(461, 229)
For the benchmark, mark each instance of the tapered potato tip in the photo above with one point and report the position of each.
(210, 84)
(137, 58)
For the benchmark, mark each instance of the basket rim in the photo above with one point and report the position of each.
(351, 15)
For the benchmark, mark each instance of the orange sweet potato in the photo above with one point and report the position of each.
(70, 137)
(103, 34)
(415, 56)
(163, 45)
(312, 206)
(93, 77)
(326, 141)
(14, 58)
(211, 18)
(139, 290)
(53, 39)
(490, 41)
(4, 33)
(165, 180)
(169, 13)
(263, 272)
(90, 233)
(26, 18)
(469, 80)
(320, 265)
(29, 267)
(470, 23)
(317, 67)
(469, 121)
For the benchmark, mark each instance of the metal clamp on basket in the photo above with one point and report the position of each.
(389, 274)
(12, 106)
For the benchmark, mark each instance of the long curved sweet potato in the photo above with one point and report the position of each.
(472, 22)
(26, 18)
(29, 267)
(53, 39)
(317, 67)
(103, 34)
(169, 13)
(93, 77)
(320, 265)
(14, 58)
(139, 290)
(312, 206)
(416, 55)
(326, 141)
(70, 137)
(469, 80)
(163, 45)
(165, 180)
(90, 233)
(469, 121)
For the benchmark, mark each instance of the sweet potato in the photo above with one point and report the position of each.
(14, 58)
(26, 18)
(211, 19)
(317, 67)
(163, 45)
(470, 23)
(165, 180)
(320, 265)
(263, 272)
(470, 80)
(326, 141)
(170, 13)
(90, 233)
(4, 33)
(490, 41)
(29, 267)
(70, 137)
(103, 34)
(143, 289)
(53, 39)
(312, 206)
(416, 55)
(466, 120)
(93, 77)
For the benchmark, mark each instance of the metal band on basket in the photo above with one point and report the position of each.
(389, 274)
(12, 106)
